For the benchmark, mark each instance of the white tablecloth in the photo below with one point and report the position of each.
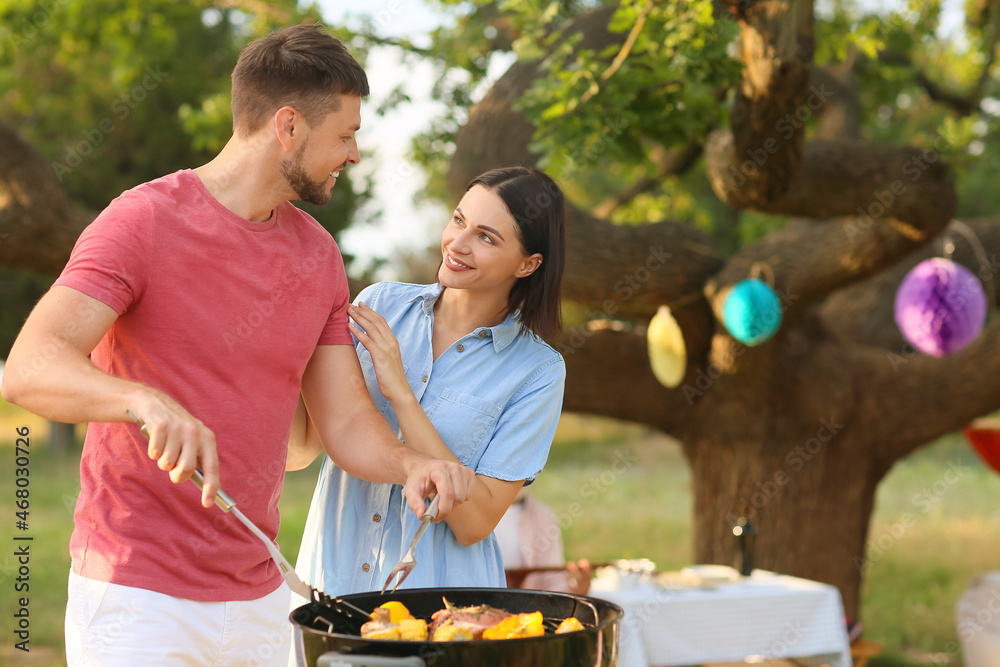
(766, 615)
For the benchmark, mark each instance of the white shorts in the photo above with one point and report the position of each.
(109, 625)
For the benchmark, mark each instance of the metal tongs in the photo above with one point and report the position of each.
(227, 504)
(409, 560)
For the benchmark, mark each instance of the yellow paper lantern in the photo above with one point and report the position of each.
(667, 352)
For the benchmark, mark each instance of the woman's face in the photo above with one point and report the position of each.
(481, 248)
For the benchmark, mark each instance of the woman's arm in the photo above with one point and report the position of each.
(303, 441)
(475, 519)
(359, 440)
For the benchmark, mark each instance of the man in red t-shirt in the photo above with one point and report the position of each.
(204, 302)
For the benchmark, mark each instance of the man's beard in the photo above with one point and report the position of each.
(308, 190)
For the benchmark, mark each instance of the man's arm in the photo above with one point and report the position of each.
(360, 441)
(49, 372)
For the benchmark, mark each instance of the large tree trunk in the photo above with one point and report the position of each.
(792, 460)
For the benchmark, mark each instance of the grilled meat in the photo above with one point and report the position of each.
(474, 619)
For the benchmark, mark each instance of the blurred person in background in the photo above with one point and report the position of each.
(531, 541)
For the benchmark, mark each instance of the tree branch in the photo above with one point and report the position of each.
(38, 223)
(622, 53)
(629, 271)
(404, 44)
(920, 398)
(963, 104)
(670, 163)
(840, 118)
(777, 43)
(899, 198)
(839, 178)
(495, 135)
(991, 35)
(595, 361)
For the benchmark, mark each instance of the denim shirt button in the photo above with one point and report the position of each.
(482, 334)
(460, 348)
(377, 518)
(366, 567)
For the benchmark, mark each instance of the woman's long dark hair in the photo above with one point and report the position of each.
(536, 203)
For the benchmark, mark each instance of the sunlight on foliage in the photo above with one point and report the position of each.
(661, 88)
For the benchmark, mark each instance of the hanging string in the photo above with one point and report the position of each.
(980, 252)
(763, 267)
(685, 300)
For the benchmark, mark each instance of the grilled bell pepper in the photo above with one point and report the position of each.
(518, 625)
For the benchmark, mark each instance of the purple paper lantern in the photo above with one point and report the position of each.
(940, 307)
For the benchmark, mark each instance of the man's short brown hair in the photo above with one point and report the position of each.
(302, 66)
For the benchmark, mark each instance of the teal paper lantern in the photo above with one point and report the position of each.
(752, 312)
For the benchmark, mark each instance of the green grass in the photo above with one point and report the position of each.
(620, 492)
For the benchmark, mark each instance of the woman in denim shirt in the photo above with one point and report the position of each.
(469, 380)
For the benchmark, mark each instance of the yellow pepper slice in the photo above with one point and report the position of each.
(518, 625)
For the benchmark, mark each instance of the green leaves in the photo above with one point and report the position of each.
(122, 91)
(604, 112)
(659, 80)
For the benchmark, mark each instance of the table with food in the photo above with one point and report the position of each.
(711, 614)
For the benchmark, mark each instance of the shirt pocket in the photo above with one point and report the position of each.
(463, 421)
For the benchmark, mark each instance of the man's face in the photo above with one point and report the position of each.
(328, 147)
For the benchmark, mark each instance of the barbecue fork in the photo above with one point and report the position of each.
(409, 560)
